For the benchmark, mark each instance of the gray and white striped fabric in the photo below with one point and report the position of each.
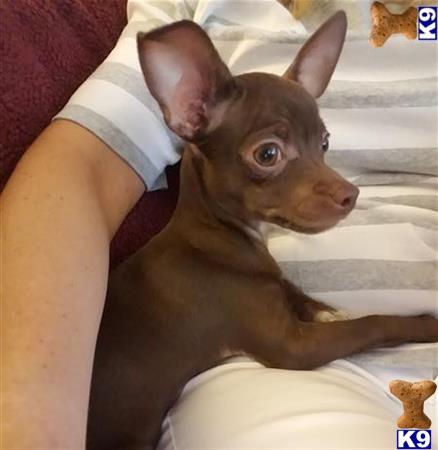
(381, 111)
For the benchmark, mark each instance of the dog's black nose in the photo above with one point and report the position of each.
(345, 196)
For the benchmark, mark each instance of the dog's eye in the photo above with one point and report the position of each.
(267, 154)
(325, 144)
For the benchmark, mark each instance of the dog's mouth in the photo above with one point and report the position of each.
(306, 226)
(310, 215)
(313, 228)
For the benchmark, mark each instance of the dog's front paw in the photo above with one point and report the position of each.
(427, 328)
(332, 315)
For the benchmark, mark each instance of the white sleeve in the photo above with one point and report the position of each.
(115, 104)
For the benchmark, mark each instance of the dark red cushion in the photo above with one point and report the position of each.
(148, 217)
(47, 49)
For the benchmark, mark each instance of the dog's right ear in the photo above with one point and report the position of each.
(186, 76)
(316, 61)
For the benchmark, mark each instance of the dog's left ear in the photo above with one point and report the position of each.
(186, 76)
(317, 59)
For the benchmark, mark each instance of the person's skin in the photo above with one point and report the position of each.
(59, 211)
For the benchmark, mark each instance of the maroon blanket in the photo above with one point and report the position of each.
(47, 49)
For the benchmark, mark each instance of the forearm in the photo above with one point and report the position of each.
(60, 209)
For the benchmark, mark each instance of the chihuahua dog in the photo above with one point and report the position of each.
(206, 287)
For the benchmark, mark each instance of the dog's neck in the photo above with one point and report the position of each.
(197, 209)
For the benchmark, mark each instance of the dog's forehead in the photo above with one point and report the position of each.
(269, 99)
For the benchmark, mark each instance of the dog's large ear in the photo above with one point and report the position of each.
(186, 76)
(316, 61)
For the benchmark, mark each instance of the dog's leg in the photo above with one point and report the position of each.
(307, 345)
(309, 310)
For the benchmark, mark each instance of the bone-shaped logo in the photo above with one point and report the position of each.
(413, 396)
(386, 24)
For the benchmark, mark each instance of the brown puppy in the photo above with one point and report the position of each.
(206, 287)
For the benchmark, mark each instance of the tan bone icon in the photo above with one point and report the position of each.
(413, 395)
(385, 24)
